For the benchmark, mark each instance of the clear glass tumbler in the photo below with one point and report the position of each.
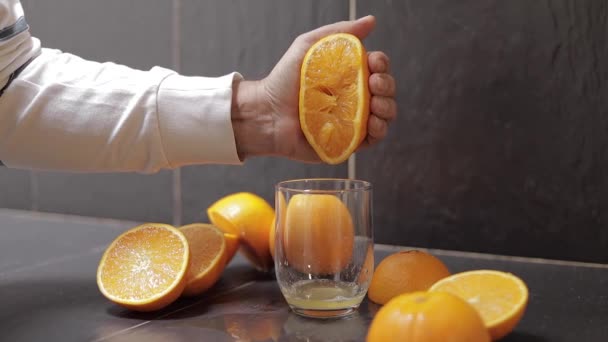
(323, 244)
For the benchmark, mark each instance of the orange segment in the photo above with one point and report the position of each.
(145, 268)
(499, 297)
(319, 236)
(208, 257)
(427, 317)
(334, 96)
(403, 272)
(249, 216)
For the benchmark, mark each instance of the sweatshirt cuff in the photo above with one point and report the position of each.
(195, 122)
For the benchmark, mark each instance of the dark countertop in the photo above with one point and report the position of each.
(48, 293)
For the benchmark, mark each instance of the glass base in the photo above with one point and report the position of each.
(327, 314)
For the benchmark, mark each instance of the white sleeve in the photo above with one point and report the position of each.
(65, 113)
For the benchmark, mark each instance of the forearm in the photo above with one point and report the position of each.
(65, 113)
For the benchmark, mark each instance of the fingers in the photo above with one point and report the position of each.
(384, 108)
(382, 85)
(378, 62)
(360, 28)
(376, 129)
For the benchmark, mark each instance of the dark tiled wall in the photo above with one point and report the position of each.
(502, 140)
(136, 33)
(502, 136)
(15, 191)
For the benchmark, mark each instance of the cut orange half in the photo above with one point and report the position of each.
(144, 269)
(334, 96)
(208, 257)
(499, 297)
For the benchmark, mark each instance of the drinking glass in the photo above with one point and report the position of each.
(323, 244)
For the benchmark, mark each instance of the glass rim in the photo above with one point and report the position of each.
(284, 185)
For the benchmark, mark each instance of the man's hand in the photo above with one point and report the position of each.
(265, 113)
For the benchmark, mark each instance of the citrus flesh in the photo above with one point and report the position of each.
(208, 255)
(144, 269)
(499, 297)
(334, 96)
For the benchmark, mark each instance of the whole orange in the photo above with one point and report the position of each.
(318, 236)
(427, 317)
(403, 272)
(248, 216)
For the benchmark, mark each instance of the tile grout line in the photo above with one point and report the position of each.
(34, 191)
(498, 257)
(352, 160)
(205, 299)
(177, 196)
(59, 217)
(176, 42)
(121, 332)
(176, 35)
(94, 250)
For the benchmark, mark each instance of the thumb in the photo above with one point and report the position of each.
(360, 28)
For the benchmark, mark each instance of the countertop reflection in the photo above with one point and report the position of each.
(48, 293)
